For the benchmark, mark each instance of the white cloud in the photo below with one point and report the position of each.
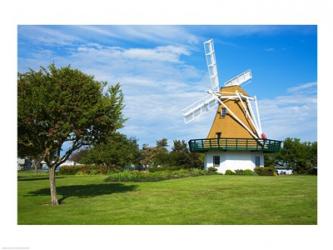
(152, 33)
(115, 34)
(161, 53)
(310, 87)
(293, 115)
(46, 35)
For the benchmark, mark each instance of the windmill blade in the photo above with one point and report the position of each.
(239, 79)
(211, 64)
(196, 109)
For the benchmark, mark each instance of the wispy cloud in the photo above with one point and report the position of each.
(151, 33)
(161, 53)
(46, 35)
(292, 115)
(118, 34)
(306, 88)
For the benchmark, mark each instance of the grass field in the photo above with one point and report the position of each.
(195, 200)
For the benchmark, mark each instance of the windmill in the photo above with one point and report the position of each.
(235, 140)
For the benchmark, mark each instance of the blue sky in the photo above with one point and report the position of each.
(162, 69)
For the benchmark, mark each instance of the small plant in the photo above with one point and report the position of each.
(249, 172)
(244, 172)
(265, 171)
(212, 170)
(84, 170)
(229, 172)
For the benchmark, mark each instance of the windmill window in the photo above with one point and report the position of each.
(218, 135)
(216, 160)
(223, 112)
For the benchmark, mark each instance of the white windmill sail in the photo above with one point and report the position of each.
(239, 79)
(211, 64)
(196, 109)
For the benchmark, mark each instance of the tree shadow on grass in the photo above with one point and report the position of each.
(85, 191)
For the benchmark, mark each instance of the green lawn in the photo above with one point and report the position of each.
(212, 199)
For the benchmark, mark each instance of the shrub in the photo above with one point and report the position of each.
(212, 170)
(165, 168)
(84, 169)
(229, 172)
(239, 172)
(312, 171)
(69, 170)
(138, 176)
(244, 172)
(249, 172)
(265, 171)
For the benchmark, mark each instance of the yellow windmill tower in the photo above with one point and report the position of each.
(235, 139)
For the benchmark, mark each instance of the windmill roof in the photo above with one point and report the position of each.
(232, 89)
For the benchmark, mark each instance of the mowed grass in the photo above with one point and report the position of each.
(195, 200)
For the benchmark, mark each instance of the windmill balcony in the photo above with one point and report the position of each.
(234, 144)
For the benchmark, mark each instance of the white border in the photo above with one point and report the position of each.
(163, 12)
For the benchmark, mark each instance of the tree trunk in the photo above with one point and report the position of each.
(53, 191)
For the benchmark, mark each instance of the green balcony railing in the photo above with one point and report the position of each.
(234, 144)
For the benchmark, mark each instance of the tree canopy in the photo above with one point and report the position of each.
(179, 156)
(117, 152)
(300, 156)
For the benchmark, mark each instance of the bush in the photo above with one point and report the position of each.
(244, 172)
(84, 169)
(312, 171)
(249, 172)
(229, 172)
(138, 176)
(265, 171)
(212, 170)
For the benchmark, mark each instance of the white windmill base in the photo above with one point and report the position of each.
(234, 160)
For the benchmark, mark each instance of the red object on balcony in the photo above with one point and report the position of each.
(263, 136)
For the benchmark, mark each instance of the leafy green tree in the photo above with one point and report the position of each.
(155, 156)
(182, 157)
(300, 156)
(180, 146)
(161, 153)
(162, 144)
(116, 152)
(58, 106)
(147, 156)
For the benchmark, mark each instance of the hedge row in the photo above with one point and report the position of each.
(263, 171)
(84, 170)
(139, 176)
(266, 171)
(157, 173)
(240, 172)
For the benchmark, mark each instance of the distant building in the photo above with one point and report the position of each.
(23, 164)
(283, 170)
